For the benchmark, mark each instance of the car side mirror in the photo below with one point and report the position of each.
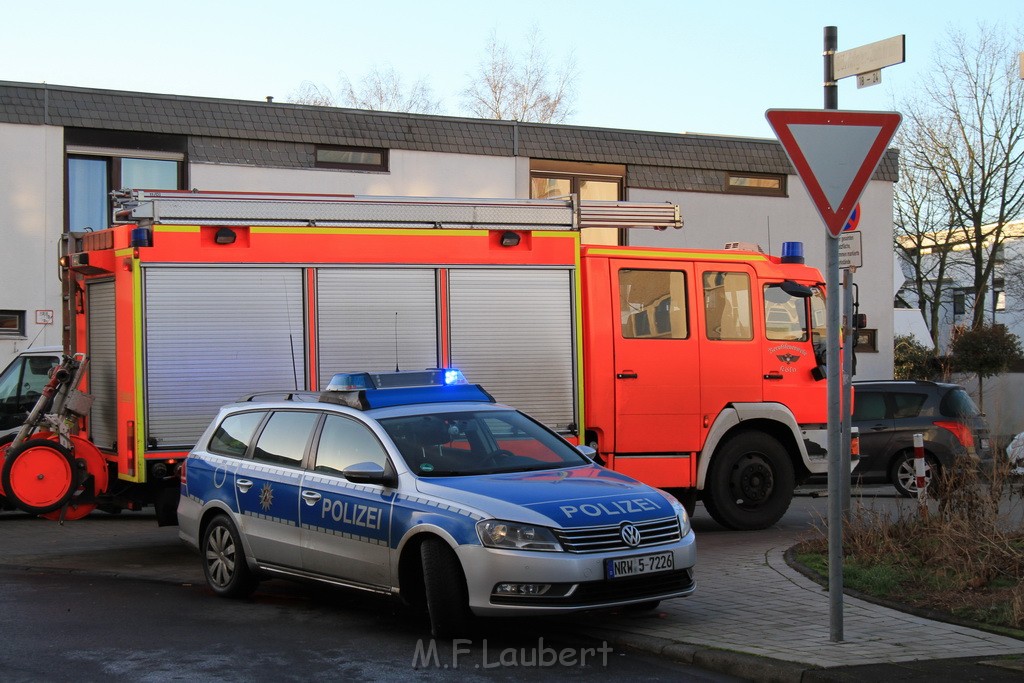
(795, 289)
(588, 452)
(371, 473)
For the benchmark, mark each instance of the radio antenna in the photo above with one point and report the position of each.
(396, 341)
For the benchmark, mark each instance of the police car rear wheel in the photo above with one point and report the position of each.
(445, 584)
(224, 563)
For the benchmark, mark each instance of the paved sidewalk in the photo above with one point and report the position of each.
(752, 616)
(748, 600)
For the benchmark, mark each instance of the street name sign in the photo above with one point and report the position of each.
(835, 153)
(870, 57)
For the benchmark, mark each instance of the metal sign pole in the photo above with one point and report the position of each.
(832, 375)
(846, 401)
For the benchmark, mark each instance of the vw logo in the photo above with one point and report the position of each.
(630, 534)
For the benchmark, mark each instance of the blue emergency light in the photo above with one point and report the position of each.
(366, 390)
(792, 252)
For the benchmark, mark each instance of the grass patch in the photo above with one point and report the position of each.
(964, 557)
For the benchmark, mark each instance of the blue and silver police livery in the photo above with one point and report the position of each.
(421, 485)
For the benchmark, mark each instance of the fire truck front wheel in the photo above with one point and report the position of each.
(750, 482)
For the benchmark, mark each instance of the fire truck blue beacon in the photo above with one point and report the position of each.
(419, 485)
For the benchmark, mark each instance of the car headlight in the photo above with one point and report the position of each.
(684, 519)
(495, 533)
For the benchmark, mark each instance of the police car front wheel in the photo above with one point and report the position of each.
(224, 562)
(445, 586)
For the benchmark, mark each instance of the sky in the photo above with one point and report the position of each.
(657, 65)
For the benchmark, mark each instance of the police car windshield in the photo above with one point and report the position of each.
(477, 442)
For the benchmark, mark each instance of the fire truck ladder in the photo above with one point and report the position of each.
(230, 208)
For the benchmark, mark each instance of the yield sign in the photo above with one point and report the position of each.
(835, 153)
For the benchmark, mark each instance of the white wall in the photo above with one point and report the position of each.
(712, 219)
(1004, 395)
(31, 222)
(414, 174)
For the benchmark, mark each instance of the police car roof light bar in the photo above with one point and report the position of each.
(364, 390)
(357, 381)
(453, 393)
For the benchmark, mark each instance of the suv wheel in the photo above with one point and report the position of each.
(224, 564)
(903, 473)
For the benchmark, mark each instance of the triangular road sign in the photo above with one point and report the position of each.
(835, 153)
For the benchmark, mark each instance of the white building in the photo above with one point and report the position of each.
(1003, 304)
(62, 149)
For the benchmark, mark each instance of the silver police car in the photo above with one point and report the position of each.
(420, 485)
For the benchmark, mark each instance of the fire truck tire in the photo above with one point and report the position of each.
(38, 476)
(750, 482)
(445, 586)
(224, 564)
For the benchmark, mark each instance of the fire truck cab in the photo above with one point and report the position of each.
(703, 371)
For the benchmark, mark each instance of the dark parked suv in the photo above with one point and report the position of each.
(889, 413)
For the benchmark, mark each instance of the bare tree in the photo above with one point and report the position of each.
(964, 132)
(382, 89)
(313, 94)
(521, 87)
(921, 233)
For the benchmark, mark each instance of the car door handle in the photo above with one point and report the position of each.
(243, 485)
(626, 375)
(311, 497)
(772, 375)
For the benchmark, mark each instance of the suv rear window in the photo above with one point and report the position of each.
(907, 404)
(958, 403)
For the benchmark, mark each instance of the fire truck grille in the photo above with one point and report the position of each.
(602, 538)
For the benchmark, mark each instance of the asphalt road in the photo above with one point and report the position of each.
(61, 625)
(138, 610)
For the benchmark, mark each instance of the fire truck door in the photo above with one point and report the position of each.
(789, 356)
(730, 358)
(657, 394)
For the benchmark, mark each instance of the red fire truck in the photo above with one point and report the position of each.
(695, 371)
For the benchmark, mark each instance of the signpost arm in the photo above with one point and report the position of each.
(832, 376)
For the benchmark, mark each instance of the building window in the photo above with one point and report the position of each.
(352, 158)
(756, 183)
(560, 179)
(99, 162)
(12, 323)
(959, 303)
(865, 341)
